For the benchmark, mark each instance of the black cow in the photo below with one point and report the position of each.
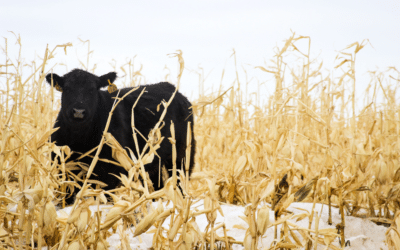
(84, 112)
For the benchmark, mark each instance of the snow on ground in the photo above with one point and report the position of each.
(362, 233)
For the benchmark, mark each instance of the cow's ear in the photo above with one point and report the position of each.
(58, 82)
(107, 77)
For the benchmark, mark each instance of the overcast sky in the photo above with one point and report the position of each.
(206, 32)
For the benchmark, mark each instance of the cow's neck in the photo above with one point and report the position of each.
(83, 136)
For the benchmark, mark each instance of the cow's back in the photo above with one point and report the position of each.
(147, 113)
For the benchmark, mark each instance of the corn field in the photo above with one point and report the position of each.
(311, 141)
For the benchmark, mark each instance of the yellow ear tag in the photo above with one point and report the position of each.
(111, 87)
(58, 87)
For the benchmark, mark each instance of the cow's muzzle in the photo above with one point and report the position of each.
(79, 113)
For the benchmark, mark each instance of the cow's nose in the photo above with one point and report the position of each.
(79, 113)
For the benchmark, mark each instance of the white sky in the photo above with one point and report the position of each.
(206, 32)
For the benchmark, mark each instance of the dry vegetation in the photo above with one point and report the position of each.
(307, 142)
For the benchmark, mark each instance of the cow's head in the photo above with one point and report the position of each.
(80, 93)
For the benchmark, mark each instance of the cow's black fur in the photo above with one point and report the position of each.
(81, 91)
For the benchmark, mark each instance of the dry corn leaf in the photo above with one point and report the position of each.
(118, 208)
(262, 220)
(49, 218)
(174, 229)
(83, 219)
(149, 220)
(239, 166)
(247, 242)
(329, 235)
